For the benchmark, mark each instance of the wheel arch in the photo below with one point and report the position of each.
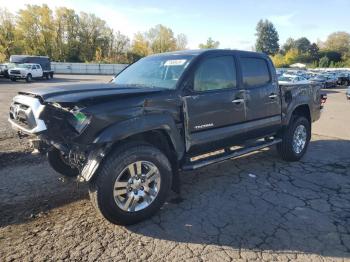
(161, 132)
(154, 129)
(299, 110)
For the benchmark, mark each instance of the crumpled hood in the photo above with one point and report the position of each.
(85, 93)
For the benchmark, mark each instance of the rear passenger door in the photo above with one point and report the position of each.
(262, 95)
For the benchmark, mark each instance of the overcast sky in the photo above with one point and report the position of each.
(230, 22)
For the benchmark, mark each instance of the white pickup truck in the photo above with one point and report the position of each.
(26, 71)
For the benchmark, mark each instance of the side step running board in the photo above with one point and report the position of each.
(228, 155)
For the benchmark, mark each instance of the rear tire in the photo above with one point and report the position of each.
(56, 161)
(115, 206)
(295, 139)
(13, 79)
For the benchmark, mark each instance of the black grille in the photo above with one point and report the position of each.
(15, 72)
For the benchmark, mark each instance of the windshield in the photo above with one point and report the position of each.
(285, 78)
(320, 77)
(24, 66)
(156, 71)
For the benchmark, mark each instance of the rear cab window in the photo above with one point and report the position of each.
(255, 72)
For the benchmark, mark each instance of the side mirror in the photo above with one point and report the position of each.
(187, 86)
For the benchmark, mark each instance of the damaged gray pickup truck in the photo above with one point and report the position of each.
(130, 138)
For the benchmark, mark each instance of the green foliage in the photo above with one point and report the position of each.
(290, 43)
(291, 56)
(324, 62)
(331, 55)
(314, 64)
(267, 38)
(314, 52)
(209, 44)
(279, 61)
(302, 44)
(339, 42)
(7, 34)
(161, 39)
(157, 40)
(65, 35)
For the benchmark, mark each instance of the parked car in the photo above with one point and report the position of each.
(348, 93)
(26, 71)
(128, 139)
(292, 79)
(325, 81)
(4, 69)
(43, 61)
(343, 79)
(331, 80)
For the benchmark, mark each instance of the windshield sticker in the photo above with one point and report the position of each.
(177, 62)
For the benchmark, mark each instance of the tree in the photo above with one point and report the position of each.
(140, 46)
(7, 34)
(119, 45)
(314, 51)
(339, 42)
(161, 39)
(65, 35)
(302, 44)
(36, 30)
(92, 34)
(67, 29)
(209, 44)
(290, 43)
(267, 38)
(181, 42)
(291, 56)
(279, 61)
(324, 62)
(331, 55)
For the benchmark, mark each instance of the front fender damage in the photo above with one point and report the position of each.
(94, 160)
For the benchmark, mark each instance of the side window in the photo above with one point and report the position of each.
(33, 67)
(255, 72)
(215, 73)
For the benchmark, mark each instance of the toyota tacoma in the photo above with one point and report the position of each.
(164, 114)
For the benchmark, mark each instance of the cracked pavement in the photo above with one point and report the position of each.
(256, 207)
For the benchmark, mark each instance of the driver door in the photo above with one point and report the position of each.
(215, 103)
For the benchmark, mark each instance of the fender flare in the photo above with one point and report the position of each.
(291, 111)
(140, 124)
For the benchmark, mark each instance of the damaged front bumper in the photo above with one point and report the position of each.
(24, 116)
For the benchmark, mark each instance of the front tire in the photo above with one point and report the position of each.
(295, 139)
(131, 184)
(58, 163)
(29, 78)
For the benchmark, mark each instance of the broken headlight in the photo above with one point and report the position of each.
(79, 120)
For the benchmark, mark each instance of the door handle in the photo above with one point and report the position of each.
(272, 96)
(238, 101)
